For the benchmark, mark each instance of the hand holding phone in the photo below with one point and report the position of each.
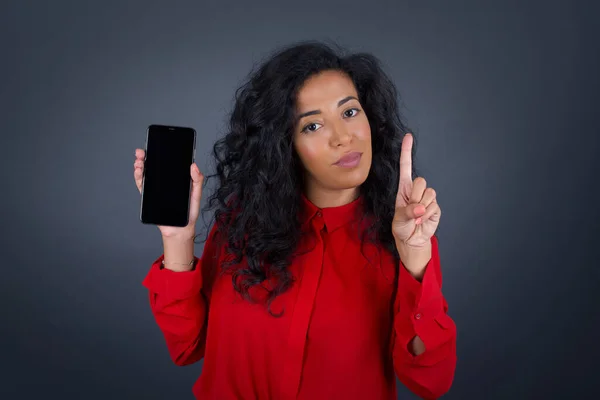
(169, 180)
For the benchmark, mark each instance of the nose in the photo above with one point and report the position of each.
(341, 135)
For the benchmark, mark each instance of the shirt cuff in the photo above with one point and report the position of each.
(173, 285)
(421, 306)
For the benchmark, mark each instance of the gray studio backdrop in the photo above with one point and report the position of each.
(502, 96)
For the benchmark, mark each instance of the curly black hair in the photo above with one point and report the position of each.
(260, 176)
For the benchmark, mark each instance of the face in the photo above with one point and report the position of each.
(332, 136)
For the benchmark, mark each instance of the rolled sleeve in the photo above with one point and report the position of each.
(173, 285)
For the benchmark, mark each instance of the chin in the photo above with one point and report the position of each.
(352, 179)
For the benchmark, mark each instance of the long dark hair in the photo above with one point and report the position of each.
(260, 177)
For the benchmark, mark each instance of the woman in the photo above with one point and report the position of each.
(320, 278)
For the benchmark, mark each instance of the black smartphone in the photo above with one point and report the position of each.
(166, 183)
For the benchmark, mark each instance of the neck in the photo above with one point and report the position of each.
(324, 198)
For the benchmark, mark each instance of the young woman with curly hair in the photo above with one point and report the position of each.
(320, 277)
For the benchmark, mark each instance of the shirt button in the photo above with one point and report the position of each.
(319, 214)
(418, 316)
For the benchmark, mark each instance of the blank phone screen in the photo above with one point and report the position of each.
(167, 182)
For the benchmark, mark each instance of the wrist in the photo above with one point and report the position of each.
(414, 259)
(181, 235)
(178, 252)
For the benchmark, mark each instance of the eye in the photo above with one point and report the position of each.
(353, 112)
(310, 127)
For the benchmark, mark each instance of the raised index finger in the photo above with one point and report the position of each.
(406, 160)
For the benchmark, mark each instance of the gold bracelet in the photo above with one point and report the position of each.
(190, 264)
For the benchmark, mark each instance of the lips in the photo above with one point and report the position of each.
(349, 158)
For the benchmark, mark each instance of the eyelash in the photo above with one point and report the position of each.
(305, 130)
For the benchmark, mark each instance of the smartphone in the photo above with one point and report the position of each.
(166, 182)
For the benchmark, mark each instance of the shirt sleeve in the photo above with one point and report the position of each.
(421, 310)
(179, 303)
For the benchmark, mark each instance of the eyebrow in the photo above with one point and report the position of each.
(314, 112)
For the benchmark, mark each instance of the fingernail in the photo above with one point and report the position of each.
(418, 221)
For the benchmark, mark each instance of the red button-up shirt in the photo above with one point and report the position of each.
(344, 332)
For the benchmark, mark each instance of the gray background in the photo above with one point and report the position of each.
(502, 95)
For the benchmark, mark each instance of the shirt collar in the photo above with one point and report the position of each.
(333, 217)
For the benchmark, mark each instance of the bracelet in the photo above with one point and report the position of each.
(190, 264)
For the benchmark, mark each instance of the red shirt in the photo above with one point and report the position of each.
(343, 334)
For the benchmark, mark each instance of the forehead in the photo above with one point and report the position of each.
(325, 88)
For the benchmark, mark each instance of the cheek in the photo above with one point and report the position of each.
(310, 152)
(363, 131)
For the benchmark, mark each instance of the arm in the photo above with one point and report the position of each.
(424, 349)
(179, 297)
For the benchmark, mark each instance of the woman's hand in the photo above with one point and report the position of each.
(196, 195)
(417, 212)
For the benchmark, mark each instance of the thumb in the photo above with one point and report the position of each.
(196, 195)
(409, 212)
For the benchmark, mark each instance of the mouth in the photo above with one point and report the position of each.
(349, 160)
